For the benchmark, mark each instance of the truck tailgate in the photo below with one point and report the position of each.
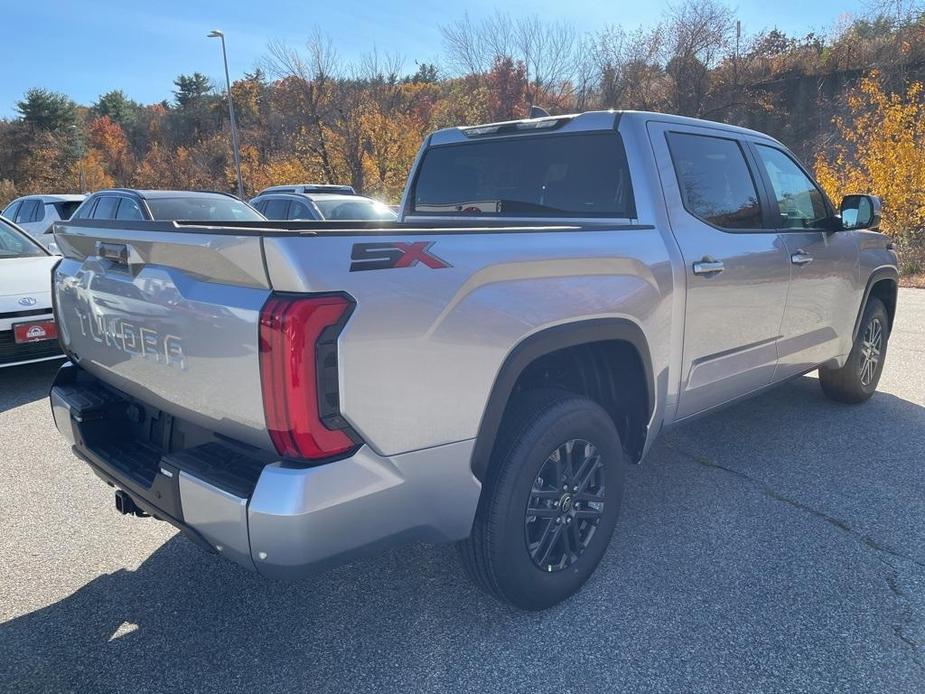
(170, 318)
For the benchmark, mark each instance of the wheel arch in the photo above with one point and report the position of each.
(883, 283)
(545, 343)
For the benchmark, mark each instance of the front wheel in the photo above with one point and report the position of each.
(550, 503)
(857, 380)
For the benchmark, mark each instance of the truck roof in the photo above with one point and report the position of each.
(577, 122)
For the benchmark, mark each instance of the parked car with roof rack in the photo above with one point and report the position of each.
(130, 204)
(320, 202)
(35, 214)
(28, 332)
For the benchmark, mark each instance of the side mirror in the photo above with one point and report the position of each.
(860, 212)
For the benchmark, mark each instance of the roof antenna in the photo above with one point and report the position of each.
(538, 112)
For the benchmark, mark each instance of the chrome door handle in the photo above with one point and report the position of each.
(801, 257)
(708, 266)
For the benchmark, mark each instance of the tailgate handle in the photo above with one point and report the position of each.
(116, 252)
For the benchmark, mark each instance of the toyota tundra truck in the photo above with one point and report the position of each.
(555, 292)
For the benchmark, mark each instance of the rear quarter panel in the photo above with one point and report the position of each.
(420, 353)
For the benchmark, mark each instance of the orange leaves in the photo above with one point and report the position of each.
(258, 174)
(110, 149)
(91, 170)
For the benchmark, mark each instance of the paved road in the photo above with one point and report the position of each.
(776, 546)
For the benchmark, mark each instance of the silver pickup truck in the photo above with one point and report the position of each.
(555, 293)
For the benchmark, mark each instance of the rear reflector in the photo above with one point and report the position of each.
(291, 329)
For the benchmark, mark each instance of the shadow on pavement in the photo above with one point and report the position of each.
(23, 384)
(710, 584)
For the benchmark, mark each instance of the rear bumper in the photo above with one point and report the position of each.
(265, 514)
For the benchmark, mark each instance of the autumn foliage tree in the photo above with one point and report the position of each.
(307, 114)
(107, 139)
(879, 147)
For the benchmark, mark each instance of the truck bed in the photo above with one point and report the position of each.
(168, 312)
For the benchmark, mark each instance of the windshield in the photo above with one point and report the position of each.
(17, 244)
(217, 208)
(354, 210)
(583, 175)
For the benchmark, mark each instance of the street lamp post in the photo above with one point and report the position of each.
(215, 33)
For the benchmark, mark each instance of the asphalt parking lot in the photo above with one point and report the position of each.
(778, 545)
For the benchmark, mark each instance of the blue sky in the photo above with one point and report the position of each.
(87, 47)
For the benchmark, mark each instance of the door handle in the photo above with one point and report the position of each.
(801, 257)
(708, 266)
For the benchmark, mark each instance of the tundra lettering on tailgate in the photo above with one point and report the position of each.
(394, 254)
(132, 339)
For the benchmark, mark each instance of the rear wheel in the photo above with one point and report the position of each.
(550, 503)
(857, 380)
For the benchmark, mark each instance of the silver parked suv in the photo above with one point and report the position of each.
(556, 293)
(36, 213)
(320, 202)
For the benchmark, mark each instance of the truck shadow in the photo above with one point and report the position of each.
(704, 568)
(24, 384)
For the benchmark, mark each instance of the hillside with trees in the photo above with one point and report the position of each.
(849, 102)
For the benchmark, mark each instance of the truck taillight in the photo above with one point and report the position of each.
(298, 373)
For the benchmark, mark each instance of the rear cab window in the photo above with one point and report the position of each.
(557, 175)
(715, 181)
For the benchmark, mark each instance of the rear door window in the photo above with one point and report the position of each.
(299, 210)
(276, 209)
(106, 207)
(582, 175)
(26, 212)
(66, 209)
(715, 181)
(85, 211)
(129, 209)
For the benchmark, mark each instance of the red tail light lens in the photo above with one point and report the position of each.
(298, 336)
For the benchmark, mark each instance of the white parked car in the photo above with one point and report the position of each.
(319, 202)
(28, 331)
(36, 213)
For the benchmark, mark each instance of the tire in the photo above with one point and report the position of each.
(543, 430)
(857, 380)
